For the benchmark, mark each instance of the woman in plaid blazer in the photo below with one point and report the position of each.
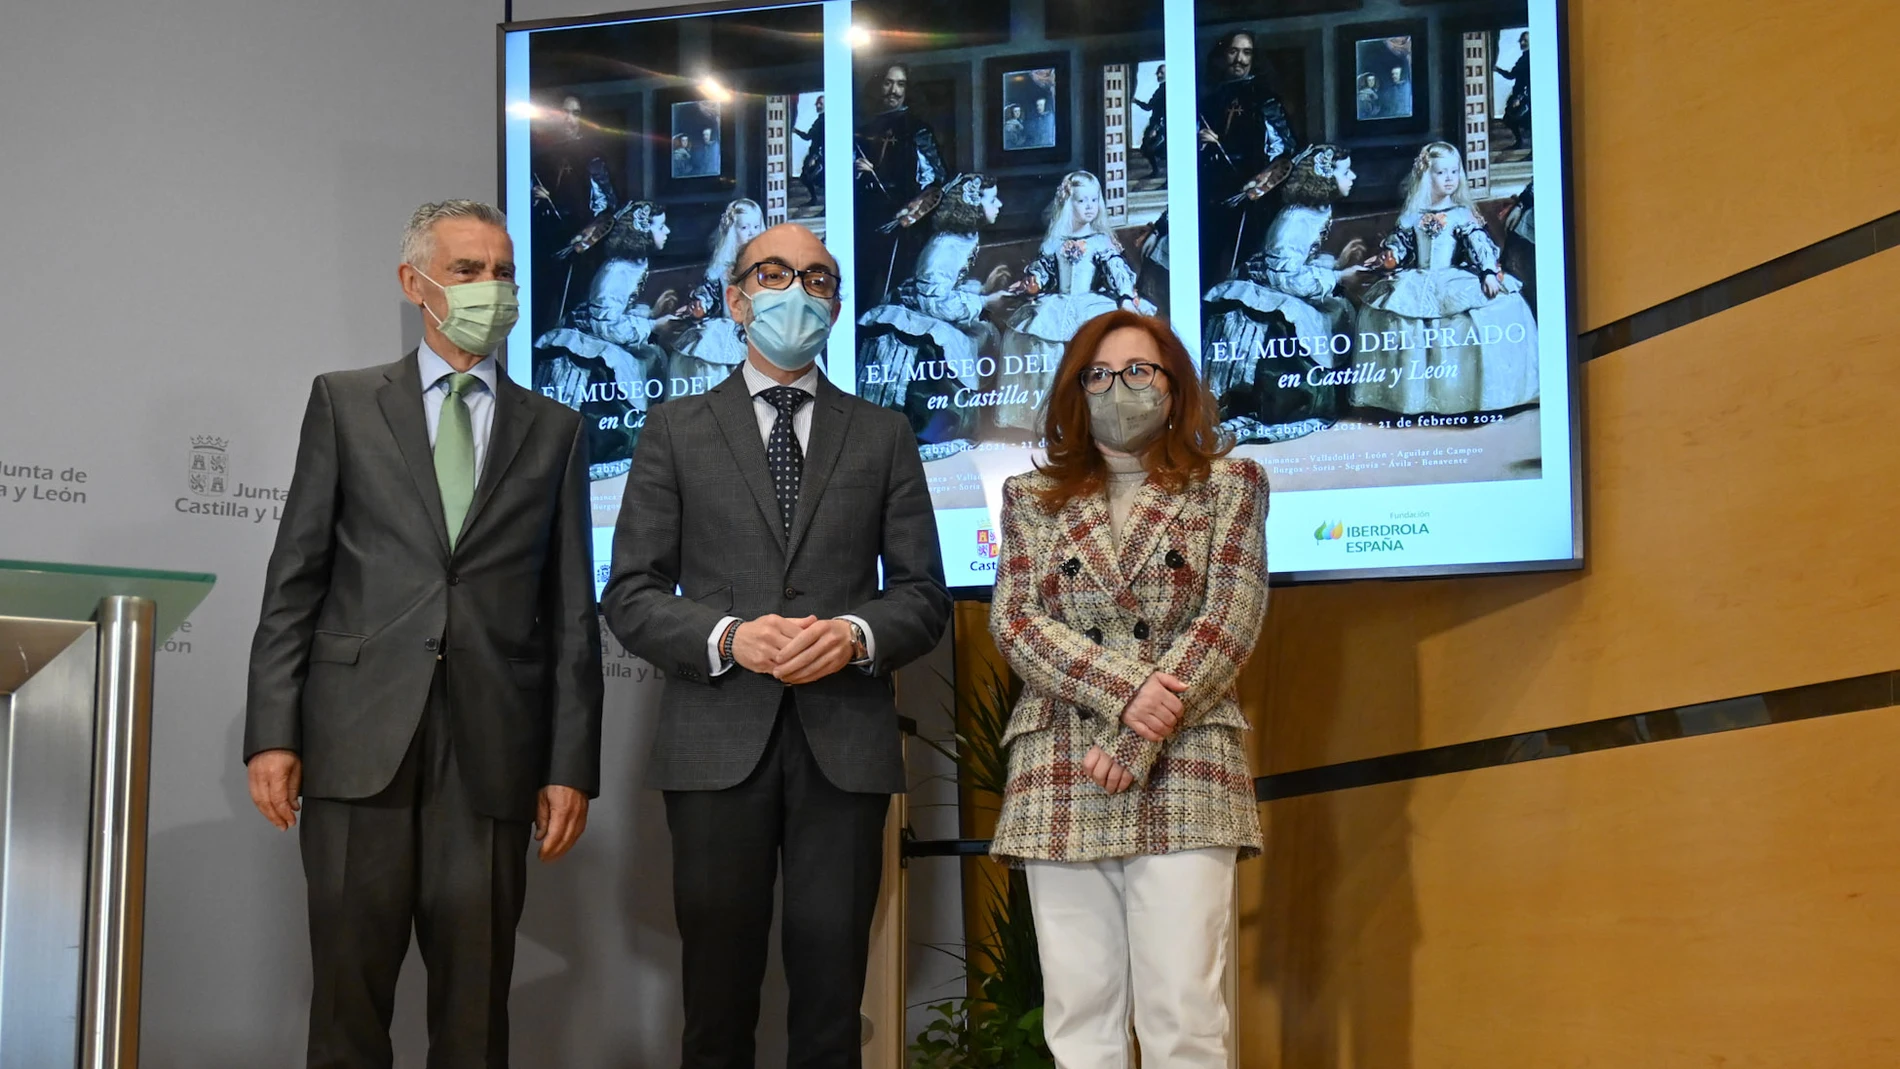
(1131, 587)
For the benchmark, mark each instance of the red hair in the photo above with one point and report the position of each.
(1182, 453)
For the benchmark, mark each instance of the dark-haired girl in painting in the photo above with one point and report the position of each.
(602, 359)
(926, 343)
(1282, 312)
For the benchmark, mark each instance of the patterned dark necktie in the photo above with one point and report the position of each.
(782, 453)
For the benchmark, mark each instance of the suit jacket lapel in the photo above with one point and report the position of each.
(401, 401)
(1149, 517)
(830, 425)
(1085, 518)
(512, 418)
(732, 409)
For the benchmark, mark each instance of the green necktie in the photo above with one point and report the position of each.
(455, 454)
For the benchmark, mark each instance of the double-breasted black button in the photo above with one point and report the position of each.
(1174, 559)
(1095, 635)
(1071, 566)
(1141, 630)
(432, 644)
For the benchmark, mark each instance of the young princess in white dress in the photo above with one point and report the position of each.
(713, 343)
(1456, 333)
(1080, 274)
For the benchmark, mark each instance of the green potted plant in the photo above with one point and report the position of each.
(999, 1025)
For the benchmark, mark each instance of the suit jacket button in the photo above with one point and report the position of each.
(1071, 566)
(1095, 635)
(1141, 630)
(791, 592)
(455, 580)
(1175, 559)
(432, 644)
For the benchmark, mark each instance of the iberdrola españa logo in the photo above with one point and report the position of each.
(1329, 531)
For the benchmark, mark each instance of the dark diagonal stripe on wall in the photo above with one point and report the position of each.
(1857, 694)
(1783, 271)
(1860, 693)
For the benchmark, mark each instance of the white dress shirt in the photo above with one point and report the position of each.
(480, 400)
(756, 383)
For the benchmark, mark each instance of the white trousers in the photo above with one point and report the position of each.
(1149, 931)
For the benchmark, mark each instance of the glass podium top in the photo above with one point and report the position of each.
(40, 590)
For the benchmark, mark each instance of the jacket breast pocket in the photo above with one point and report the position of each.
(860, 500)
(335, 647)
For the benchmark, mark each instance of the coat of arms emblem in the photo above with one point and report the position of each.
(208, 466)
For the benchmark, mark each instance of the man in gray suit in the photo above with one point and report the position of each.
(746, 566)
(426, 671)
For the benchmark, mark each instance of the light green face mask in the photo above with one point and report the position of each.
(480, 314)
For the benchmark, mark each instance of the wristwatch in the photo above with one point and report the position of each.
(725, 643)
(860, 652)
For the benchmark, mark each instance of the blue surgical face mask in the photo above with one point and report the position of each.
(788, 326)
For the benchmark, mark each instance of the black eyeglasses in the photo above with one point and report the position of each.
(1138, 376)
(820, 282)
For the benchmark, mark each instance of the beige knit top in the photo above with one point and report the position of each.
(1125, 476)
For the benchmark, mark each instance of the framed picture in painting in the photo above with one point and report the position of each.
(1385, 78)
(1031, 123)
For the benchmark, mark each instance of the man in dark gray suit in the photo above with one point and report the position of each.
(426, 671)
(746, 566)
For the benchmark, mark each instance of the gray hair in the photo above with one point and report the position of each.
(418, 238)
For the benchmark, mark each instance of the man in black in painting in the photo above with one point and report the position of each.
(1243, 129)
(897, 157)
(811, 172)
(572, 184)
(1517, 106)
(1154, 137)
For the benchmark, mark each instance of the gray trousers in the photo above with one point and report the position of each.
(785, 820)
(416, 855)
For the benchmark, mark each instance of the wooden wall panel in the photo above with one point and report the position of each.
(1743, 506)
(1711, 136)
(1729, 900)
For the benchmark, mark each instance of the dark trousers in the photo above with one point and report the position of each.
(416, 855)
(727, 848)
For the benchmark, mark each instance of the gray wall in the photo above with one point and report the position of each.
(202, 201)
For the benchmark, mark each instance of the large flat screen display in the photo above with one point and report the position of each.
(1333, 202)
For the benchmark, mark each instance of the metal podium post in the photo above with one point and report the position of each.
(75, 780)
(121, 782)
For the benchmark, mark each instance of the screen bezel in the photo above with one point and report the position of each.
(1573, 368)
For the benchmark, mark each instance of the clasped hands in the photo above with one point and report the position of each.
(276, 783)
(1154, 713)
(792, 650)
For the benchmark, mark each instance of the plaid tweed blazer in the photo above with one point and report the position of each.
(1085, 622)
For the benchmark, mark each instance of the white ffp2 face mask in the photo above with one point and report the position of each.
(1126, 420)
